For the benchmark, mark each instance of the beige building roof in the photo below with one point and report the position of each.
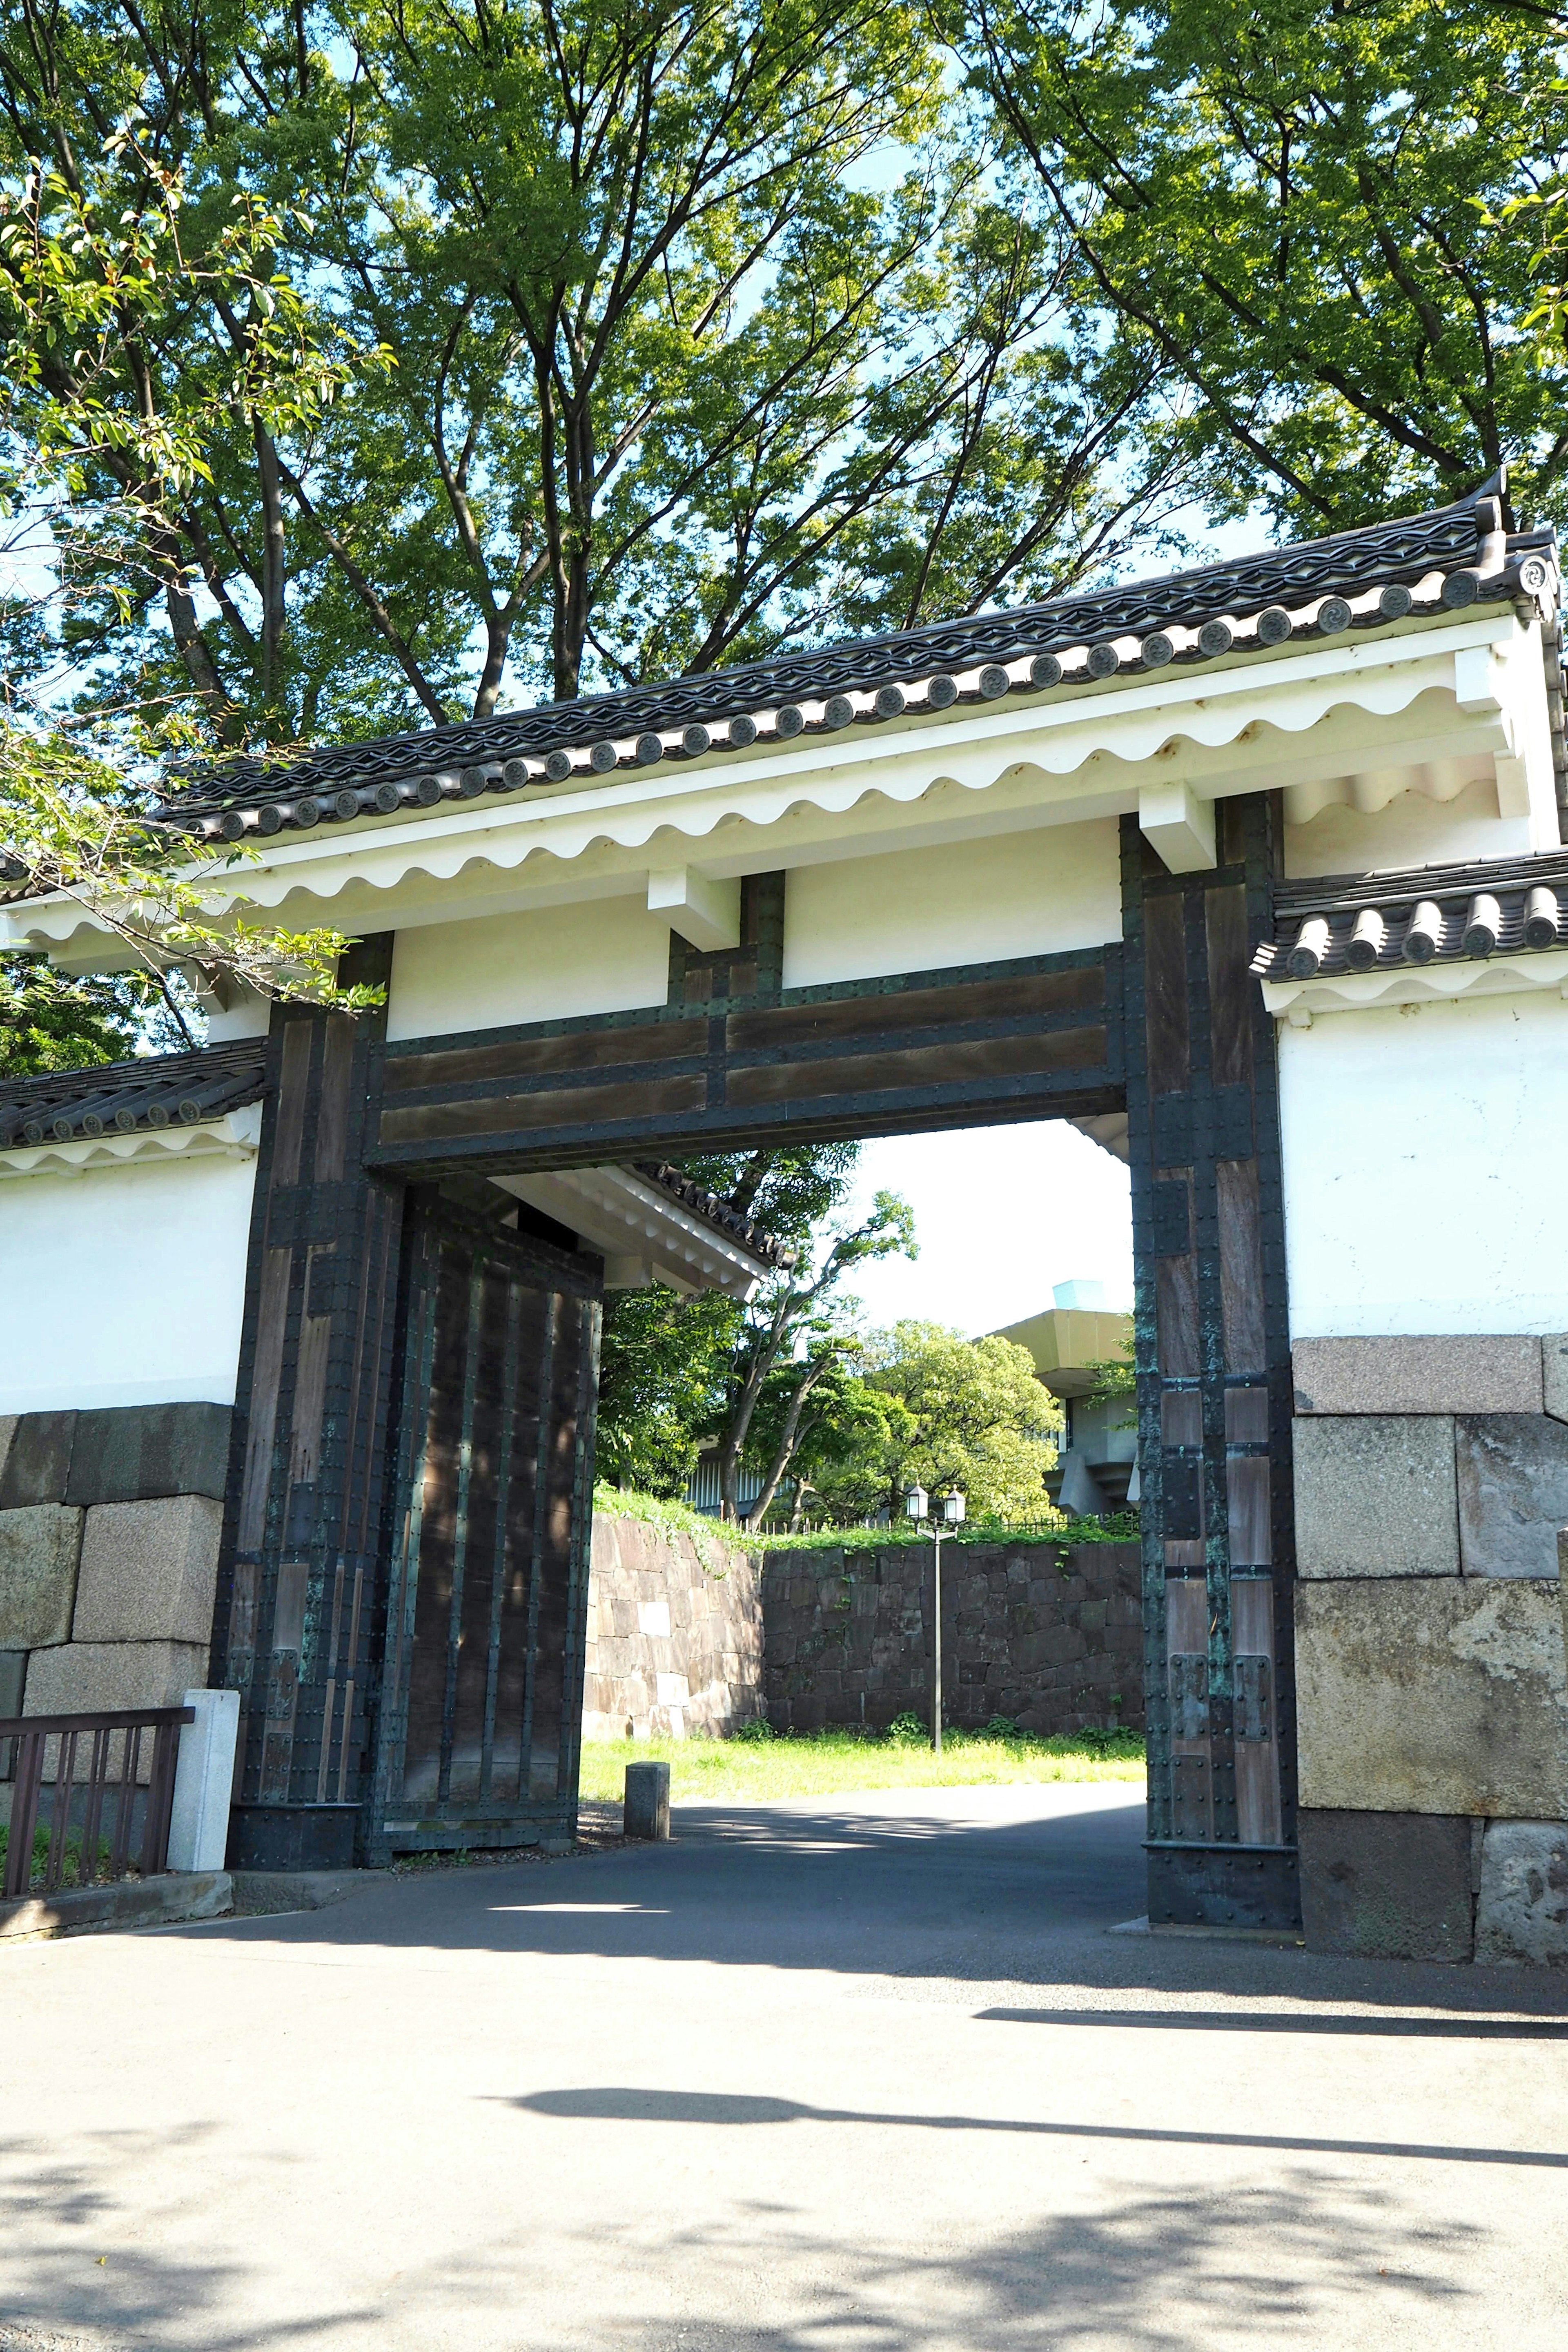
(1074, 1333)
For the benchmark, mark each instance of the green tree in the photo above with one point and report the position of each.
(677, 1372)
(383, 362)
(762, 1380)
(99, 461)
(846, 1432)
(54, 1021)
(48, 1021)
(973, 1416)
(1307, 212)
(583, 346)
(661, 1371)
(794, 1331)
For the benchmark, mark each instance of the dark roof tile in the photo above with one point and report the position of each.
(732, 1223)
(1445, 560)
(1429, 914)
(155, 1090)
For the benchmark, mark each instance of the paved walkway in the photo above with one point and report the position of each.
(871, 2078)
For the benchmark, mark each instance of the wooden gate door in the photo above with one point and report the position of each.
(481, 1682)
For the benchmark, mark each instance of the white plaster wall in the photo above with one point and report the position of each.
(1411, 831)
(498, 970)
(123, 1285)
(1425, 1150)
(1017, 893)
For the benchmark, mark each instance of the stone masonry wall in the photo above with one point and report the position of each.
(1049, 1634)
(675, 1632)
(1431, 1482)
(109, 1538)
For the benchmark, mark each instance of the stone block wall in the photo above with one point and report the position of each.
(1049, 1634)
(675, 1632)
(1431, 1482)
(109, 1540)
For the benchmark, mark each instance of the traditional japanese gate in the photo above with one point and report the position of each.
(400, 1588)
(490, 1377)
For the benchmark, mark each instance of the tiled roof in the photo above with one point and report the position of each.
(1443, 560)
(158, 1090)
(1432, 914)
(718, 1214)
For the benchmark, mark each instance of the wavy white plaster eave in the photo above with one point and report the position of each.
(235, 1136)
(1218, 727)
(1531, 972)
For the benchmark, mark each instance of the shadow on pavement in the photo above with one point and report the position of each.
(1017, 1903)
(94, 2268)
(1320, 2258)
(1176, 2271)
(1274, 2020)
(708, 2108)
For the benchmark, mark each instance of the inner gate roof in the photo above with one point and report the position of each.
(1429, 564)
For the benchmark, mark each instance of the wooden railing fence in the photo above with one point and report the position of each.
(92, 1832)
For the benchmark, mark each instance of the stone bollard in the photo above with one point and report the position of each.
(647, 1813)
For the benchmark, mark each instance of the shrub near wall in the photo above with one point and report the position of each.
(1047, 1633)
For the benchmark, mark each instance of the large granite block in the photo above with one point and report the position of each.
(1465, 1373)
(1555, 1375)
(1386, 1886)
(129, 1453)
(40, 1546)
(149, 1571)
(1375, 1496)
(92, 1676)
(1522, 1913)
(103, 1677)
(37, 1461)
(1433, 1696)
(1512, 1473)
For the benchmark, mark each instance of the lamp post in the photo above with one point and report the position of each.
(917, 1506)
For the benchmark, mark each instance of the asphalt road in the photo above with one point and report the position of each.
(865, 2078)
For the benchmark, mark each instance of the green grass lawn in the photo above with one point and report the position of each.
(830, 1763)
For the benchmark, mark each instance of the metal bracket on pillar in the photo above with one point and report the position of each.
(1180, 826)
(705, 912)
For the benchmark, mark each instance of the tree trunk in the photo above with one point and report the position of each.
(789, 1438)
(768, 1349)
(272, 562)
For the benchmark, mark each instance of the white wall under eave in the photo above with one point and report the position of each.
(1411, 830)
(497, 972)
(123, 1285)
(1017, 894)
(1423, 1151)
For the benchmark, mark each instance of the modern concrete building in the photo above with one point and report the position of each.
(1098, 1446)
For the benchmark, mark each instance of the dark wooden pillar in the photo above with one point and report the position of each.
(1214, 1381)
(296, 1620)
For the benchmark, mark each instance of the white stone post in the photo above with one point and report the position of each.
(203, 1781)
